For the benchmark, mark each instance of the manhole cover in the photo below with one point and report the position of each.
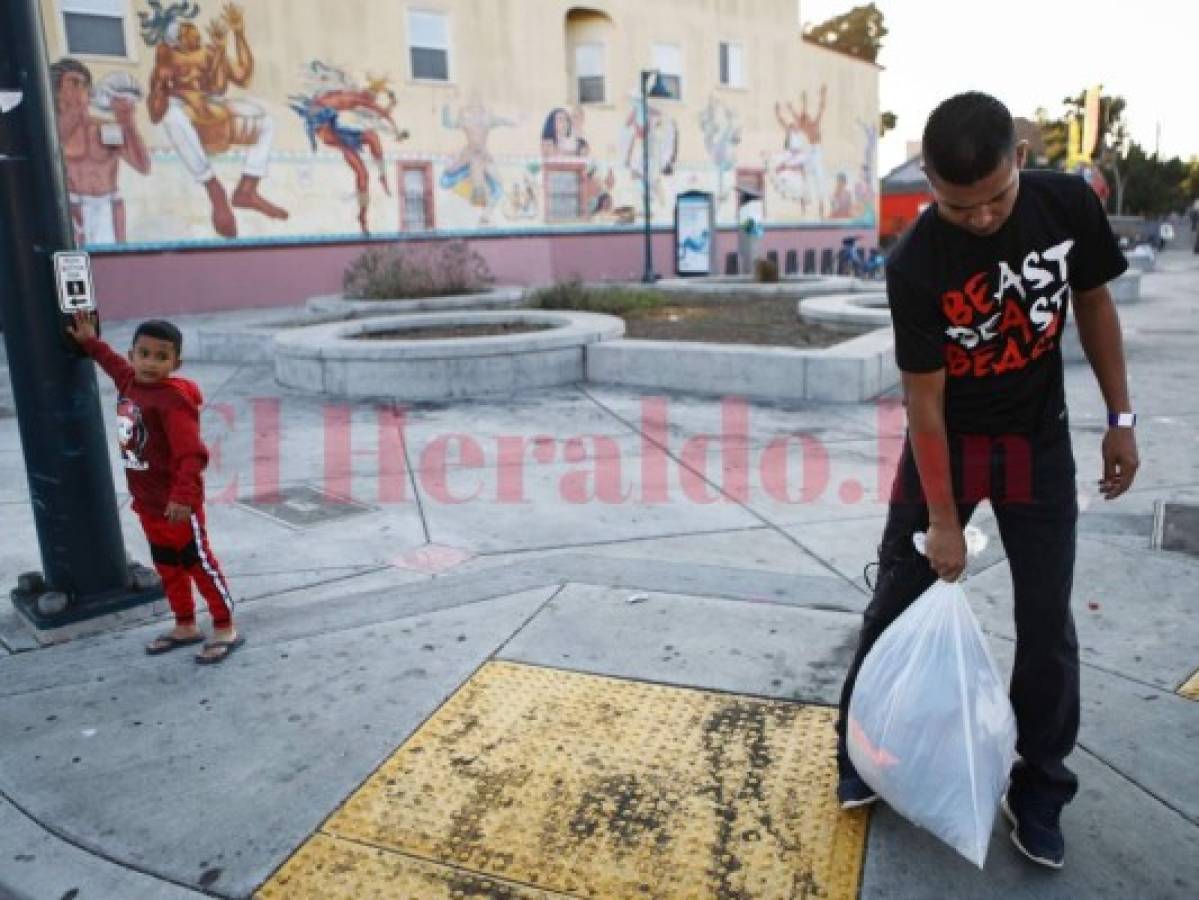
(1176, 527)
(301, 506)
(535, 782)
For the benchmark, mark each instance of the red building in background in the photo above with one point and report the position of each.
(903, 194)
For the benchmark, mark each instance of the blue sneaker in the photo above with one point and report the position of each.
(1036, 830)
(853, 792)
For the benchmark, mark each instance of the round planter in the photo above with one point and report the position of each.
(335, 305)
(335, 359)
(863, 311)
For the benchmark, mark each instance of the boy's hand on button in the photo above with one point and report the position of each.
(81, 327)
(177, 512)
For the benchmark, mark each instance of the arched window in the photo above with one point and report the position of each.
(588, 41)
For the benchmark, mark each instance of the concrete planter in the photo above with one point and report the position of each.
(1141, 259)
(327, 359)
(855, 312)
(348, 308)
(857, 370)
(790, 286)
(246, 340)
(1127, 288)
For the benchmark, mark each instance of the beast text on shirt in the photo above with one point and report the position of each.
(991, 333)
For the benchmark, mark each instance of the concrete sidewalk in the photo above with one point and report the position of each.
(408, 548)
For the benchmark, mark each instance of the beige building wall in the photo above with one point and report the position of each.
(476, 139)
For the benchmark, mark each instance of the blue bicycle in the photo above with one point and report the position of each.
(852, 260)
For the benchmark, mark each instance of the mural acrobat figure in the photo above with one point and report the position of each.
(93, 148)
(321, 111)
(472, 173)
(187, 96)
(803, 153)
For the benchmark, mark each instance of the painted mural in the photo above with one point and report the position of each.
(797, 172)
(347, 116)
(472, 174)
(722, 135)
(663, 148)
(220, 133)
(189, 97)
(94, 147)
(563, 138)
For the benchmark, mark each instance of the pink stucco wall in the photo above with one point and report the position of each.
(137, 284)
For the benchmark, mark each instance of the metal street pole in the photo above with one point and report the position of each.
(649, 277)
(85, 570)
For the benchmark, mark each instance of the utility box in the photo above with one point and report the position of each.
(694, 233)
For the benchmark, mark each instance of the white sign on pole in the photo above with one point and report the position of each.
(73, 279)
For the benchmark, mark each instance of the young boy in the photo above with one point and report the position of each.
(158, 419)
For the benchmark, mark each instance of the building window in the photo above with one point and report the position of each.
(589, 72)
(95, 27)
(429, 45)
(416, 197)
(668, 60)
(563, 192)
(732, 65)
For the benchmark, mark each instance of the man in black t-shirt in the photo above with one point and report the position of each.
(979, 289)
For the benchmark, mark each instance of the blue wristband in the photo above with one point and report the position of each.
(1121, 420)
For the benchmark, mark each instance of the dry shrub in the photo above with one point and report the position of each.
(409, 271)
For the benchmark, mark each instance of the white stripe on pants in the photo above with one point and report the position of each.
(206, 563)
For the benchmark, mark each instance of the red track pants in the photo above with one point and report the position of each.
(182, 556)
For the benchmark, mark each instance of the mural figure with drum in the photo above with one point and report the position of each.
(187, 97)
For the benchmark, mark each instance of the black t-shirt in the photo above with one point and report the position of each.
(990, 310)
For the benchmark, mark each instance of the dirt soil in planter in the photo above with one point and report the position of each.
(728, 319)
(441, 332)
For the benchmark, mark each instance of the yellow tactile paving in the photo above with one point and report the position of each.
(328, 868)
(1190, 688)
(600, 787)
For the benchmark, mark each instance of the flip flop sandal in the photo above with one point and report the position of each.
(165, 643)
(226, 648)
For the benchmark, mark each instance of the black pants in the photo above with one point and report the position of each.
(1030, 483)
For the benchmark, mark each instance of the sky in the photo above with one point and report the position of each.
(1032, 53)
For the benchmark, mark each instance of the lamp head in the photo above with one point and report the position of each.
(656, 88)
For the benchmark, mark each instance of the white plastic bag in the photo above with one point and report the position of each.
(930, 724)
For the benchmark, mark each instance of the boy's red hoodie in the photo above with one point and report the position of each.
(159, 433)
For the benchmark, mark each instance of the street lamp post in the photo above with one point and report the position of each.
(658, 90)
